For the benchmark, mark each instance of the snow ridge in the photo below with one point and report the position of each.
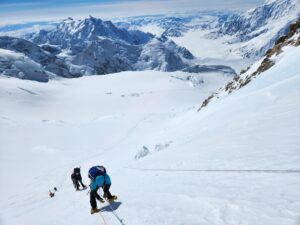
(292, 39)
(258, 29)
(254, 19)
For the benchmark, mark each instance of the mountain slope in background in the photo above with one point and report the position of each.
(259, 28)
(228, 38)
(292, 39)
(92, 46)
(40, 55)
(99, 47)
(253, 20)
(18, 65)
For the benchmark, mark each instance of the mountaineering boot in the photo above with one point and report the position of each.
(105, 195)
(101, 200)
(94, 210)
(112, 198)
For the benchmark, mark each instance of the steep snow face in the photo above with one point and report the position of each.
(259, 28)
(256, 18)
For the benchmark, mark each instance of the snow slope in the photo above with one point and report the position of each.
(235, 162)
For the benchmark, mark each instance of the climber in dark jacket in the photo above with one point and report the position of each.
(76, 178)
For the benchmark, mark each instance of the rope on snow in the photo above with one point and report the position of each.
(115, 214)
(104, 222)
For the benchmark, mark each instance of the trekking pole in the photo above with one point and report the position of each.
(116, 215)
(89, 190)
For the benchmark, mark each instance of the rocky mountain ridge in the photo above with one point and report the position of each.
(249, 34)
(92, 46)
(269, 60)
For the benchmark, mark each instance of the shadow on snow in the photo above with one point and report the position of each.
(111, 207)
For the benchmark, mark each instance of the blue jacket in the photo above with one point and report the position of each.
(100, 181)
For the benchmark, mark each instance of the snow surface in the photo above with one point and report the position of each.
(231, 163)
(212, 51)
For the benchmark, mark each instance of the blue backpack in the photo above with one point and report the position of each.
(96, 171)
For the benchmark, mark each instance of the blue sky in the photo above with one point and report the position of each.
(21, 11)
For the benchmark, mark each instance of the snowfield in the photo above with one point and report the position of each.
(212, 50)
(235, 162)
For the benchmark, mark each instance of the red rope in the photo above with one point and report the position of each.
(104, 222)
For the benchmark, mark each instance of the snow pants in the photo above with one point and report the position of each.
(94, 195)
(76, 182)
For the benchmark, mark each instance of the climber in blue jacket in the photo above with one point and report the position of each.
(99, 178)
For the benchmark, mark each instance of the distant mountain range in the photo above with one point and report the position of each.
(90, 46)
(175, 26)
(255, 30)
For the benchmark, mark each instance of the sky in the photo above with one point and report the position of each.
(23, 11)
